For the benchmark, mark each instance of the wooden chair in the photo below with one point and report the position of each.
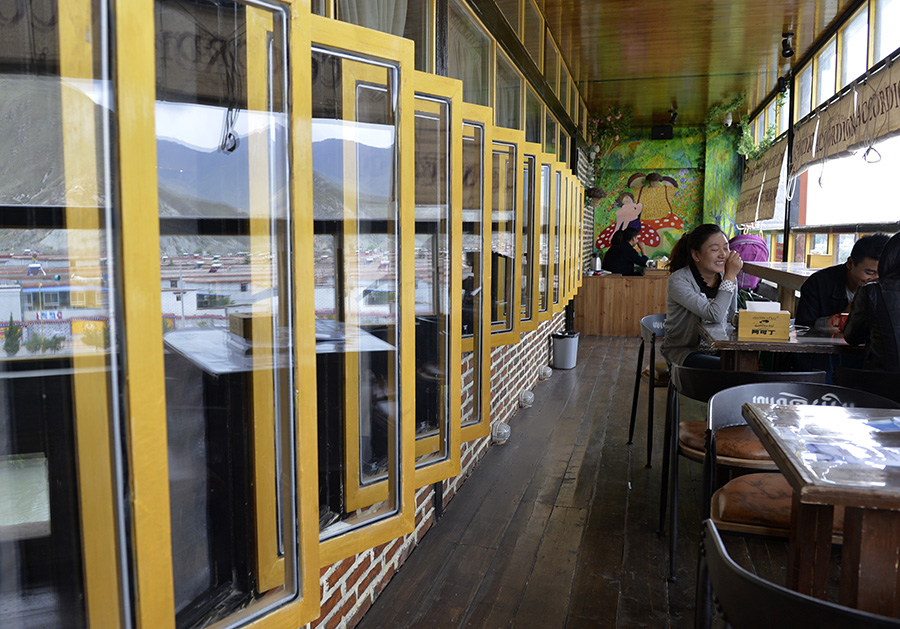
(883, 383)
(657, 374)
(760, 503)
(746, 601)
(687, 439)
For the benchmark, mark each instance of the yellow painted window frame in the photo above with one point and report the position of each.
(565, 244)
(433, 472)
(364, 42)
(532, 151)
(547, 160)
(498, 55)
(557, 220)
(579, 231)
(145, 404)
(516, 139)
(482, 117)
(91, 404)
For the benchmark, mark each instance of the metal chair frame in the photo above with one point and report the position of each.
(652, 328)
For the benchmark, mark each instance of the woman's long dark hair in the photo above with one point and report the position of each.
(889, 262)
(691, 241)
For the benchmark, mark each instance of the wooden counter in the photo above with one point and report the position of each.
(612, 305)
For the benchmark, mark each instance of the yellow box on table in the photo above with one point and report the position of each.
(764, 326)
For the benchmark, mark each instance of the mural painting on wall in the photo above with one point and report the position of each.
(647, 208)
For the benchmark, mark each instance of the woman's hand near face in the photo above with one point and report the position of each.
(733, 265)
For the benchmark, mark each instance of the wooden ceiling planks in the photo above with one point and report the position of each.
(690, 54)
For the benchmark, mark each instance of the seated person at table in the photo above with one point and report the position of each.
(875, 313)
(621, 256)
(701, 288)
(828, 292)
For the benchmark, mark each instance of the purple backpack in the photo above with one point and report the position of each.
(752, 249)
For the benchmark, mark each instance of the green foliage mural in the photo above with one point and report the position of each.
(724, 169)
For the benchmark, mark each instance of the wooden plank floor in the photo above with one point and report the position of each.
(557, 527)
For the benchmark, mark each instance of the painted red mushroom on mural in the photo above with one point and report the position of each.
(653, 198)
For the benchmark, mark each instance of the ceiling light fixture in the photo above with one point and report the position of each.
(787, 48)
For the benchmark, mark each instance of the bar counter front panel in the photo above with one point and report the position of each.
(612, 305)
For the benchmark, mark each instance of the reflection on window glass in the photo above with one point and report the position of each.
(534, 110)
(771, 114)
(375, 15)
(469, 55)
(550, 134)
(804, 91)
(819, 244)
(563, 86)
(355, 212)
(551, 63)
(533, 32)
(419, 28)
(825, 73)
(222, 145)
(318, 7)
(563, 151)
(783, 114)
(58, 366)
(433, 282)
(855, 48)
(528, 209)
(508, 110)
(510, 10)
(557, 210)
(544, 245)
(887, 35)
(503, 236)
(573, 102)
(472, 267)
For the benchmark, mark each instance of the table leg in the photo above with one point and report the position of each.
(809, 548)
(786, 298)
(869, 562)
(746, 361)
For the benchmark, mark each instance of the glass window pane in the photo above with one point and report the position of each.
(318, 7)
(503, 236)
(533, 116)
(528, 222)
(855, 43)
(845, 246)
(508, 110)
(563, 86)
(432, 284)
(804, 89)
(510, 10)
(420, 29)
(573, 102)
(557, 232)
(473, 267)
(58, 367)
(551, 63)
(770, 115)
(222, 161)
(469, 55)
(375, 15)
(563, 154)
(357, 275)
(783, 114)
(533, 34)
(887, 35)
(544, 277)
(825, 73)
(550, 134)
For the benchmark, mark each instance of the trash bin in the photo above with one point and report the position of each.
(565, 350)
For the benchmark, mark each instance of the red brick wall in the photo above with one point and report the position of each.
(349, 587)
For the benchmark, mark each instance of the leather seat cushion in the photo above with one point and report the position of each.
(738, 442)
(756, 499)
(760, 499)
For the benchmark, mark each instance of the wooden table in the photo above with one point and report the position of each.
(788, 276)
(832, 455)
(743, 355)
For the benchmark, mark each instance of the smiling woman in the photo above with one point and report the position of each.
(701, 289)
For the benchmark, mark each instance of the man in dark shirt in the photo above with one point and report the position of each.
(621, 257)
(829, 292)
